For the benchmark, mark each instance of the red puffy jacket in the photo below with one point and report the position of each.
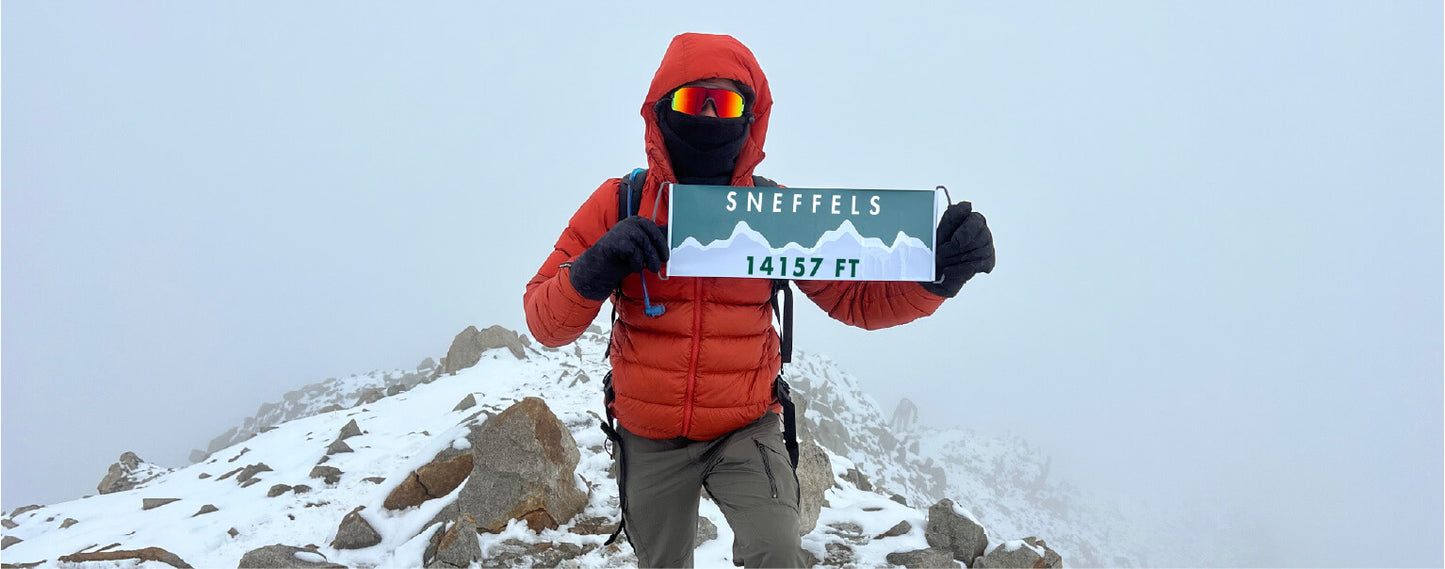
(706, 366)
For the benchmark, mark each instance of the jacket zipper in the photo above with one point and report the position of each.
(692, 362)
(773, 483)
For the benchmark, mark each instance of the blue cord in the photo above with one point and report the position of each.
(651, 310)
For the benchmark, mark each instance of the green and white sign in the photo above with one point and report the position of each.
(802, 233)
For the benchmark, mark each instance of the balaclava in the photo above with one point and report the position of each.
(703, 149)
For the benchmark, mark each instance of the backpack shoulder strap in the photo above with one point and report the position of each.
(629, 193)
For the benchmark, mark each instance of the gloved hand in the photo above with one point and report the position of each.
(963, 248)
(634, 244)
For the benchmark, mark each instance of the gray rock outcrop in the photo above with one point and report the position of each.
(457, 546)
(1032, 553)
(355, 532)
(923, 558)
(524, 468)
(127, 473)
(287, 557)
(815, 476)
(950, 530)
(466, 349)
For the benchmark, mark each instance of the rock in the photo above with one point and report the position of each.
(395, 390)
(426, 366)
(524, 468)
(328, 409)
(9, 524)
(354, 532)
(815, 476)
(300, 489)
(838, 555)
(9, 541)
(329, 474)
(466, 349)
(249, 473)
(1028, 553)
(368, 396)
(350, 430)
(24, 509)
(338, 447)
(923, 558)
(433, 480)
(458, 546)
(601, 525)
(858, 479)
(949, 529)
(897, 530)
(142, 555)
(198, 455)
(514, 553)
(68, 522)
(128, 473)
(204, 475)
(153, 503)
(899, 498)
(286, 556)
(706, 531)
(251, 482)
(232, 532)
(277, 490)
(374, 479)
(206, 509)
(229, 474)
(466, 403)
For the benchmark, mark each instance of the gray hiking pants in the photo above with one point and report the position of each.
(746, 472)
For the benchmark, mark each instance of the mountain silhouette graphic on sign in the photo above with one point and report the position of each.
(907, 258)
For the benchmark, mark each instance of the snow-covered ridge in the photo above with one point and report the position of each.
(1002, 483)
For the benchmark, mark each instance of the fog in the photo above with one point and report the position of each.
(1218, 224)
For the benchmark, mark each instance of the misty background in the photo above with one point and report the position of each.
(1219, 224)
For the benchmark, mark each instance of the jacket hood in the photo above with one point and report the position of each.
(692, 57)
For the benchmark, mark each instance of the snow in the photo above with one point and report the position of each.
(1003, 482)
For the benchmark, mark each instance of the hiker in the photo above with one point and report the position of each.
(694, 387)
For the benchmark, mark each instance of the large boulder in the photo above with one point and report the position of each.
(1028, 553)
(950, 528)
(286, 556)
(457, 546)
(524, 468)
(127, 474)
(467, 347)
(815, 476)
(355, 532)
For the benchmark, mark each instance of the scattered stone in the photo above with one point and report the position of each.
(374, 479)
(286, 556)
(1030, 552)
(467, 348)
(24, 509)
(242, 453)
(249, 473)
(68, 522)
(395, 390)
(338, 447)
(466, 403)
(127, 474)
(458, 546)
(251, 482)
(31, 565)
(433, 480)
(329, 474)
(204, 475)
(206, 509)
(229, 474)
(949, 529)
(815, 476)
(350, 430)
(598, 525)
(370, 395)
(838, 555)
(277, 490)
(858, 479)
(233, 532)
(268, 429)
(899, 498)
(706, 531)
(147, 554)
(328, 409)
(300, 489)
(9, 541)
(516, 553)
(923, 558)
(354, 532)
(524, 468)
(847, 530)
(153, 503)
(901, 528)
(9, 524)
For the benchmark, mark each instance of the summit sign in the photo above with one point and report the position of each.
(801, 233)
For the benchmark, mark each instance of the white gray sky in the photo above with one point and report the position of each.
(1219, 224)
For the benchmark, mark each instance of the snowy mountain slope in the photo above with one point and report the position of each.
(996, 480)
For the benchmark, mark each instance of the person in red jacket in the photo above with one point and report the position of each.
(694, 388)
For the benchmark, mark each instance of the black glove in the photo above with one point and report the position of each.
(634, 244)
(963, 248)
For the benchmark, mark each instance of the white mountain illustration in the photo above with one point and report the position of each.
(905, 259)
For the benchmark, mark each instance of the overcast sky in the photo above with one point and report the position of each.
(1219, 224)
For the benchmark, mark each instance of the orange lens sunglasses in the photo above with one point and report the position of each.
(691, 100)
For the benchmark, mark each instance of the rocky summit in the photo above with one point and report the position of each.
(521, 476)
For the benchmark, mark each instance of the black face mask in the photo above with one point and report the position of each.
(703, 149)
